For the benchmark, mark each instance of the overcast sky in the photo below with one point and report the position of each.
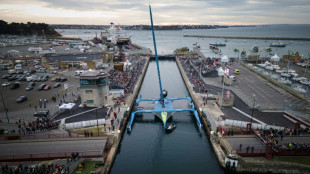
(130, 12)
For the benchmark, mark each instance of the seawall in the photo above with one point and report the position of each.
(241, 37)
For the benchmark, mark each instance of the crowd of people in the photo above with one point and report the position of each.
(275, 135)
(126, 79)
(40, 124)
(292, 147)
(194, 77)
(35, 169)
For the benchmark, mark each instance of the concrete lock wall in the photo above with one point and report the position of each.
(82, 124)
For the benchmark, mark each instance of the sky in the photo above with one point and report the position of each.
(165, 12)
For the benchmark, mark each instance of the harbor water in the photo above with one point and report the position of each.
(169, 40)
(148, 149)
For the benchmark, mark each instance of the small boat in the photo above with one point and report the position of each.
(266, 73)
(218, 44)
(285, 81)
(305, 82)
(277, 44)
(170, 127)
(268, 49)
(274, 76)
(165, 93)
(299, 89)
(285, 74)
(236, 50)
(279, 71)
(269, 67)
(254, 49)
(196, 45)
(275, 67)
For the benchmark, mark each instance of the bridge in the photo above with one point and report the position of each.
(163, 106)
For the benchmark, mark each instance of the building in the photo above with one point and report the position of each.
(94, 88)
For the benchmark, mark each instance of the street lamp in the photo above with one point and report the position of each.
(97, 122)
(253, 108)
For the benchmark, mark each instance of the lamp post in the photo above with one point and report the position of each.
(97, 122)
(253, 108)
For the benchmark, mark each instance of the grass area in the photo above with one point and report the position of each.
(295, 159)
(89, 167)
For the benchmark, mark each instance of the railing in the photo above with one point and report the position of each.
(250, 152)
(48, 156)
(49, 136)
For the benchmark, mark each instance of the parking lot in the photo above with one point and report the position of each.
(26, 109)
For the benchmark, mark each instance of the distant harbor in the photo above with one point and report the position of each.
(241, 37)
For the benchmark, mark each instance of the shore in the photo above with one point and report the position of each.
(240, 37)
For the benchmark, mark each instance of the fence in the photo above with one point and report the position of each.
(250, 152)
(243, 124)
(48, 156)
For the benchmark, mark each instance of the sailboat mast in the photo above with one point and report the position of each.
(155, 49)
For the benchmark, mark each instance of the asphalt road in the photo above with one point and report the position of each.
(52, 147)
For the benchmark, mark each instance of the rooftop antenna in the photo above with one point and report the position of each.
(155, 49)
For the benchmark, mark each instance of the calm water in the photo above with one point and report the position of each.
(147, 149)
(168, 41)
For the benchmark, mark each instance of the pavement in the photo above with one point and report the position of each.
(41, 148)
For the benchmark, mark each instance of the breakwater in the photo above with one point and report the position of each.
(242, 37)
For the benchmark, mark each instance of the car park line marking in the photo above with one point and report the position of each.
(247, 115)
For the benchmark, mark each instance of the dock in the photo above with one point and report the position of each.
(247, 37)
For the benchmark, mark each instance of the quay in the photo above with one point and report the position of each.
(123, 117)
(212, 114)
(241, 37)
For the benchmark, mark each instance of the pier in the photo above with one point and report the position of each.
(247, 37)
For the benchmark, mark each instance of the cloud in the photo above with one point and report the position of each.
(164, 12)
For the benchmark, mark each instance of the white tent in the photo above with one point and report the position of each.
(224, 59)
(220, 71)
(275, 58)
(67, 106)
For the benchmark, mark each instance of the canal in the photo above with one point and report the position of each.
(148, 149)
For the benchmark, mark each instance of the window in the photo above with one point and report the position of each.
(89, 91)
(83, 82)
(90, 101)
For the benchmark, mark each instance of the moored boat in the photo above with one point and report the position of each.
(277, 44)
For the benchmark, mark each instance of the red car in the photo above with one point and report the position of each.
(47, 87)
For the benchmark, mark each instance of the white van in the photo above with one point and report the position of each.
(18, 66)
(12, 71)
(78, 72)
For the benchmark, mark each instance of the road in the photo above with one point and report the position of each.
(37, 147)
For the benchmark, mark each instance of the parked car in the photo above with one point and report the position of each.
(15, 85)
(29, 88)
(58, 79)
(32, 84)
(57, 85)
(6, 76)
(5, 84)
(47, 87)
(41, 114)
(41, 87)
(53, 79)
(21, 99)
(63, 79)
(11, 78)
(54, 72)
